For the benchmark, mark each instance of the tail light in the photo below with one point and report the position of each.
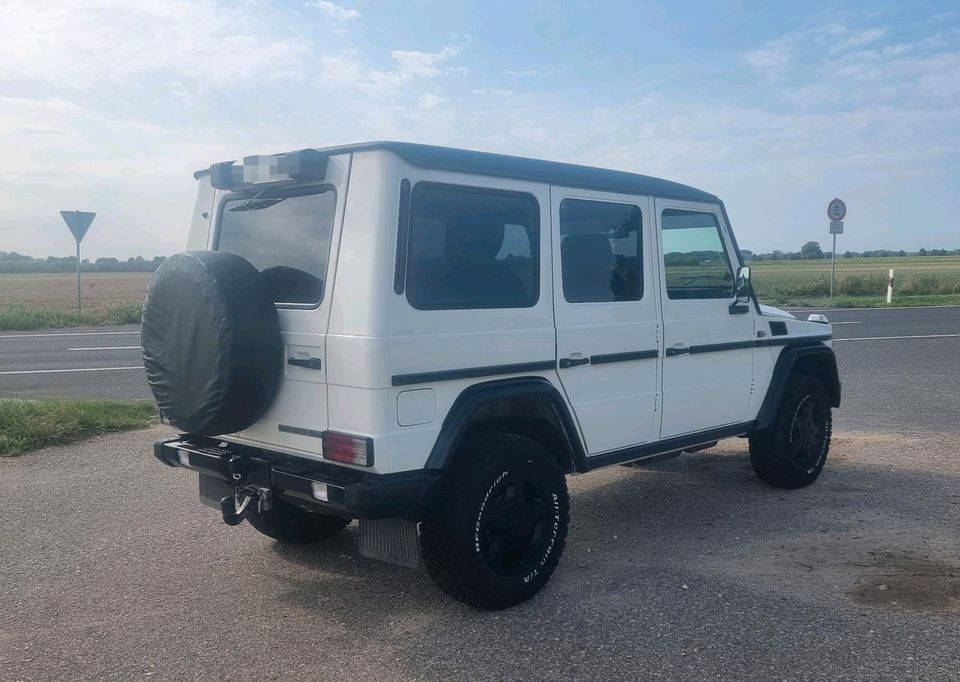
(339, 447)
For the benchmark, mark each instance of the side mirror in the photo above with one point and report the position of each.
(743, 284)
(743, 292)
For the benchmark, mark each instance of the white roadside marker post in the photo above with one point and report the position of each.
(890, 288)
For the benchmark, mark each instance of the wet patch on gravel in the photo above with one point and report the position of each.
(909, 581)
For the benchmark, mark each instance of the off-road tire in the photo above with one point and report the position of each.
(290, 525)
(792, 451)
(497, 529)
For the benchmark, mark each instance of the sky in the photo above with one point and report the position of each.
(776, 107)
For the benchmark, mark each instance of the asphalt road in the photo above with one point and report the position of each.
(688, 569)
(79, 362)
(891, 384)
(898, 368)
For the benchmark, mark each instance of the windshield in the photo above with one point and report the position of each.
(286, 237)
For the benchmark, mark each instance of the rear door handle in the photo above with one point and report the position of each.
(309, 363)
(573, 362)
(676, 349)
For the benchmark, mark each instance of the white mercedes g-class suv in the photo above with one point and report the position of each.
(429, 340)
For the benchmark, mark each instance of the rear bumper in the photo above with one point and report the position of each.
(355, 493)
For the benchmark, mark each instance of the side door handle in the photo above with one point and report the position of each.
(676, 349)
(309, 363)
(573, 362)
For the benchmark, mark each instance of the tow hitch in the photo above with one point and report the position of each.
(236, 507)
(246, 491)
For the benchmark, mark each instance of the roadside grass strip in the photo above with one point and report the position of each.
(17, 316)
(31, 424)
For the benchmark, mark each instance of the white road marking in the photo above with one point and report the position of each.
(35, 336)
(885, 338)
(107, 348)
(75, 369)
(836, 323)
(868, 310)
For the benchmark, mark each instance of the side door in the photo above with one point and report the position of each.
(605, 306)
(708, 346)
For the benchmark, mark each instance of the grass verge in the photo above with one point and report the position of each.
(21, 317)
(32, 424)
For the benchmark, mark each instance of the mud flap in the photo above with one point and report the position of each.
(395, 540)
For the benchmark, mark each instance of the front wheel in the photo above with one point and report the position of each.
(497, 531)
(792, 451)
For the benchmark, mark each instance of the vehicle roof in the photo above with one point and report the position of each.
(537, 170)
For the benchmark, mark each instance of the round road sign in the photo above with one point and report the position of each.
(836, 210)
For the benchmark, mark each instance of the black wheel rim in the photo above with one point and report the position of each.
(515, 527)
(806, 433)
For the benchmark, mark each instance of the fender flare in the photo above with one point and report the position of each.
(789, 357)
(473, 398)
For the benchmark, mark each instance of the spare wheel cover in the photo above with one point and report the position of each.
(211, 341)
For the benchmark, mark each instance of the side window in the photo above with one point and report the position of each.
(695, 261)
(601, 251)
(472, 248)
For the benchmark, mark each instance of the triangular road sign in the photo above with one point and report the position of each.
(78, 222)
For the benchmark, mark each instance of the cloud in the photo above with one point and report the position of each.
(335, 11)
(858, 39)
(413, 63)
(770, 59)
(350, 69)
(76, 44)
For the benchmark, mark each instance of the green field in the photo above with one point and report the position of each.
(33, 301)
(860, 281)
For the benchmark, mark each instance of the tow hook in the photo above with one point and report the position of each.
(235, 508)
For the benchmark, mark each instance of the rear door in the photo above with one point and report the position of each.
(606, 314)
(292, 236)
(708, 349)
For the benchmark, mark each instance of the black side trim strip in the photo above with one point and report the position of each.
(606, 358)
(714, 347)
(794, 340)
(734, 345)
(470, 372)
(662, 447)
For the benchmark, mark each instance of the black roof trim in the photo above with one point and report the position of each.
(522, 168)
(535, 170)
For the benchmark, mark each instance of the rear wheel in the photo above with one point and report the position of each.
(288, 524)
(497, 531)
(792, 451)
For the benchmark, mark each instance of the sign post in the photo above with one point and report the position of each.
(836, 211)
(78, 222)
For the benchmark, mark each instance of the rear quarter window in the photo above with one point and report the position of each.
(472, 248)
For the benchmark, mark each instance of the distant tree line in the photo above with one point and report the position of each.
(813, 251)
(15, 262)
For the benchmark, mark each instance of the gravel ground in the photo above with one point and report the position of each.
(689, 569)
